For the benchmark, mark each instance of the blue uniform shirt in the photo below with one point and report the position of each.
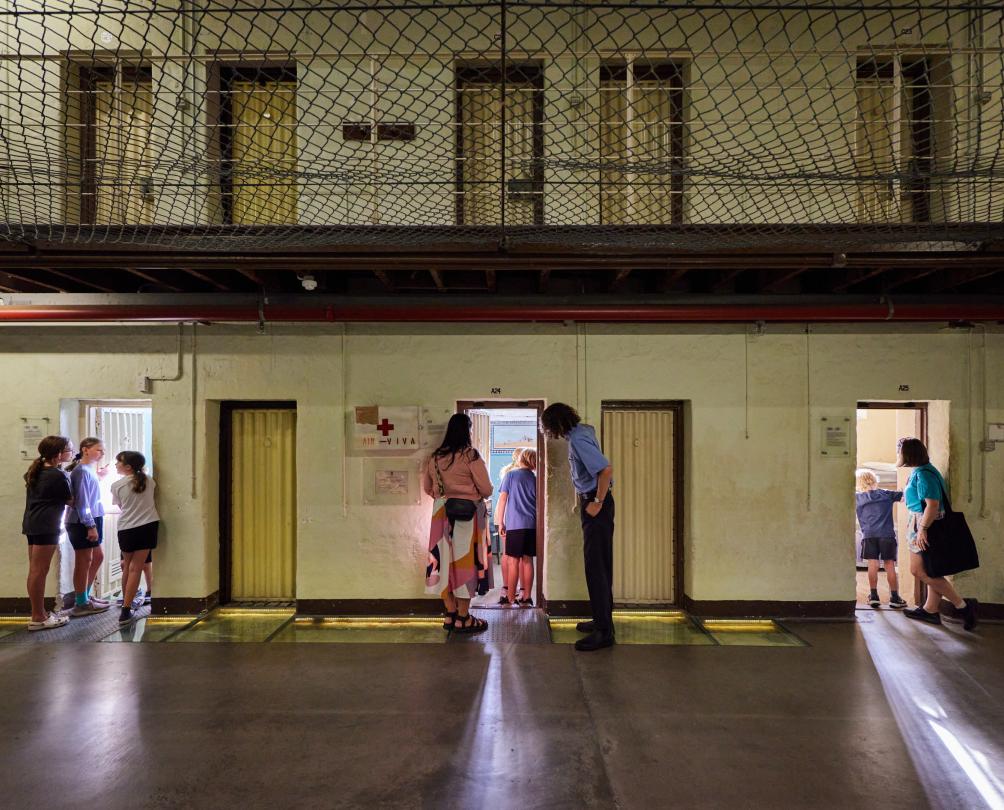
(925, 482)
(585, 458)
(874, 509)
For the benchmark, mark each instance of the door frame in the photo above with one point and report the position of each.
(538, 405)
(677, 407)
(227, 408)
(919, 588)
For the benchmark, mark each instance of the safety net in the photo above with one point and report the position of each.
(694, 126)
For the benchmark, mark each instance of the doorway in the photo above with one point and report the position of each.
(121, 424)
(257, 502)
(643, 441)
(879, 426)
(500, 427)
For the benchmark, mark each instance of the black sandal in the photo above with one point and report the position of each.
(528, 602)
(470, 624)
(451, 617)
(504, 599)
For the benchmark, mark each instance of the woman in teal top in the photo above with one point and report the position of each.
(924, 495)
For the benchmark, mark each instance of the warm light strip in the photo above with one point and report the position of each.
(254, 612)
(367, 620)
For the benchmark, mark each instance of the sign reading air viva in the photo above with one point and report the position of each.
(380, 429)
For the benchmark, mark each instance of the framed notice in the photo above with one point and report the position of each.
(391, 481)
(33, 430)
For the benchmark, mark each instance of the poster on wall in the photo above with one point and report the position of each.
(392, 481)
(33, 430)
(380, 429)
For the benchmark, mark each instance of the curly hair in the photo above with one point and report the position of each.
(558, 419)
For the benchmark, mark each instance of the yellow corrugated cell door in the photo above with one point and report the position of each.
(639, 444)
(263, 498)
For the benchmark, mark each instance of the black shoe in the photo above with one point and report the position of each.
(922, 615)
(594, 641)
(586, 627)
(874, 600)
(968, 614)
(126, 617)
(897, 602)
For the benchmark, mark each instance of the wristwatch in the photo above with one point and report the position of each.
(597, 500)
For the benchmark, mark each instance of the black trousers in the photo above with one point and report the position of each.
(598, 554)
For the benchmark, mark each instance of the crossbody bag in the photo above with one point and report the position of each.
(456, 508)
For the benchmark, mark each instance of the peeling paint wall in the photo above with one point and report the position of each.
(766, 516)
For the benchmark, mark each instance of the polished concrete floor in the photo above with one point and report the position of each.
(882, 713)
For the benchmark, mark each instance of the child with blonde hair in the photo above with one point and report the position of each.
(874, 510)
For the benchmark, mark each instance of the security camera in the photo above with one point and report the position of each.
(309, 283)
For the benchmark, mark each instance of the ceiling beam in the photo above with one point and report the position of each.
(670, 277)
(782, 278)
(29, 280)
(385, 280)
(726, 280)
(620, 278)
(956, 278)
(907, 276)
(208, 279)
(78, 280)
(544, 281)
(152, 279)
(251, 275)
(856, 277)
(437, 279)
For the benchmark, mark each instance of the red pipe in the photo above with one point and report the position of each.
(425, 313)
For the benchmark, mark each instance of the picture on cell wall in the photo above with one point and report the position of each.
(511, 437)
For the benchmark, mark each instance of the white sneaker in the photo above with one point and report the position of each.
(51, 622)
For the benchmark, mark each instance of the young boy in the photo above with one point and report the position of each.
(592, 476)
(874, 508)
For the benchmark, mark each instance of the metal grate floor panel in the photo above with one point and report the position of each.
(87, 628)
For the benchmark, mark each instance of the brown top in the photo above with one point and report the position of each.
(467, 477)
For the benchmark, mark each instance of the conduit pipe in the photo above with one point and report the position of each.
(426, 313)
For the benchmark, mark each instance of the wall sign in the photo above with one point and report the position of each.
(835, 438)
(378, 429)
(33, 430)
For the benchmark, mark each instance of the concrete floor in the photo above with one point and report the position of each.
(842, 723)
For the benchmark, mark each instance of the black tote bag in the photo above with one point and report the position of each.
(950, 544)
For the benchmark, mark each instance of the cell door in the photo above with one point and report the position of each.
(642, 445)
(262, 499)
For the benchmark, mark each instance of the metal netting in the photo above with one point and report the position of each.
(667, 125)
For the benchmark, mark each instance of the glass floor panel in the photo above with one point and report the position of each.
(751, 633)
(365, 630)
(639, 627)
(151, 629)
(13, 624)
(235, 624)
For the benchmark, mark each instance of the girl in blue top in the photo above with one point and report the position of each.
(925, 495)
(517, 520)
(85, 526)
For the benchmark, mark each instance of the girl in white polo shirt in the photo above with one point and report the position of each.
(138, 523)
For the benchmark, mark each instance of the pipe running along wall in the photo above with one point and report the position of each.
(428, 313)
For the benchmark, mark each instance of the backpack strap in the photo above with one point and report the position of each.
(439, 477)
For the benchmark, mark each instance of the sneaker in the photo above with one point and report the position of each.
(968, 614)
(100, 602)
(51, 622)
(585, 627)
(126, 617)
(137, 603)
(897, 602)
(87, 609)
(922, 615)
(147, 598)
(874, 600)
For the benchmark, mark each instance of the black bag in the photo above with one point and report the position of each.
(456, 508)
(460, 509)
(950, 545)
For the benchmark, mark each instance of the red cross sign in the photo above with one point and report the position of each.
(385, 427)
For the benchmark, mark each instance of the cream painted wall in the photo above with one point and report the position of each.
(764, 518)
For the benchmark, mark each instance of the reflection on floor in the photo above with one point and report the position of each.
(505, 626)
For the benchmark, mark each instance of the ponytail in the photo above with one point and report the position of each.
(49, 449)
(136, 462)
